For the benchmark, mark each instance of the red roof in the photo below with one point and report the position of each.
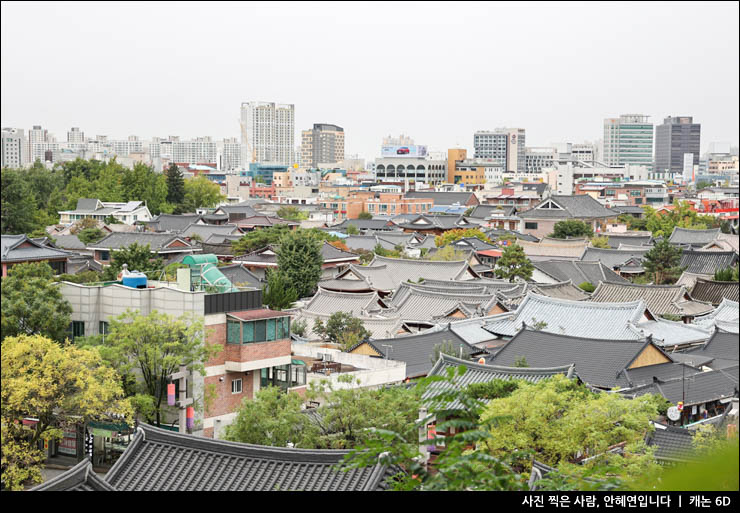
(261, 313)
(490, 252)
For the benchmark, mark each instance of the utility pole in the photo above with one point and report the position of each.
(183, 401)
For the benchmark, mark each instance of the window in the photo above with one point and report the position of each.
(236, 386)
(103, 328)
(78, 329)
(530, 226)
(232, 332)
(260, 331)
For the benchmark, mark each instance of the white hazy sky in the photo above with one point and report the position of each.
(434, 71)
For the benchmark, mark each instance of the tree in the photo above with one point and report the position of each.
(365, 215)
(562, 422)
(83, 224)
(175, 185)
(452, 235)
(600, 242)
(153, 346)
(587, 286)
(299, 327)
(32, 304)
(729, 274)
(339, 327)
(445, 347)
(664, 262)
(292, 213)
(90, 235)
(279, 292)
(682, 215)
(299, 259)
(571, 228)
(17, 208)
(200, 192)
(57, 385)
(513, 263)
(259, 238)
(137, 258)
(273, 418)
(521, 362)
(352, 229)
(447, 254)
(142, 183)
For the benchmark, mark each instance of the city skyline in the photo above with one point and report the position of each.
(438, 78)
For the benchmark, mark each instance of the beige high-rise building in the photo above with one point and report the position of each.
(268, 133)
(323, 144)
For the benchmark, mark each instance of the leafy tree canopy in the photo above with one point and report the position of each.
(571, 228)
(299, 259)
(32, 304)
(292, 213)
(200, 192)
(279, 292)
(341, 328)
(452, 235)
(600, 242)
(663, 261)
(365, 215)
(513, 263)
(137, 258)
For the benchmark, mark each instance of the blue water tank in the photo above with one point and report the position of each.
(135, 280)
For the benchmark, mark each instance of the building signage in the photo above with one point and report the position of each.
(68, 444)
(411, 150)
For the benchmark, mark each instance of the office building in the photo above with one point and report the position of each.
(324, 143)
(268, 133)
(14, 148)
(676, 137)
(628, 139)
(75, 135)
(537, 159)
(505, 147)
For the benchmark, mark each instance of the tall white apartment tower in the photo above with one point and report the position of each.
(267, 133)
(75, 135)
(14, 148)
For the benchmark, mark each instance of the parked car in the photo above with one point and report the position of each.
(402, 151)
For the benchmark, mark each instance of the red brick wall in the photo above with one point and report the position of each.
(224, 401)
(244, 352)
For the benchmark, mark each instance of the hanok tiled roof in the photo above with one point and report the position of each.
(378, 326)
(495, 233)
(724, 242)
(159, 460)
(332, 254)
(672, 333)
(699, 388)
(417, 350)
(575, 318)
(561, 290)
(472, 243)
(722, 347)
(12, 252)
(581, 206)
(156, 241)
(364, 224)
(262, 220)
(484, 211)
(268, 256)
(693, 237)
(485, 373)
(673, 444)
(615, 240)
(241, 208)
(68, 242)
(388, 273)
(205, 231)
(445, 198)
(346, 285)
(414, 303)
(688, 279)
(613, 258)
(728, 311)
(358, 304)
(423, 222)
(660, 299)
(715, 291)
(172, 222)
(366, 242)
(80, 478)
(707, 262)
(598, 362)
(578, 271)
(219, 239)
(546, 250)
(237, 274)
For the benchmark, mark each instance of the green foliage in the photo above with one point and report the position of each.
(292, 213)
(445, 347)
(587, 286)
(571, 228)
(494, 389)
(365, 255)
(725, 226)
(17, 203)
(279, 292)
(200, 192)
(341, 328)
(352, 229)
(137, 258)
(364, 215)
(729, 274)
(703, 184)
(143, 184)
(600, 242)
(513, 263)
(446, 254)
(56, 385)
(259, 238)
(299, 327)
(154, 346)
(561, 420)
(32, 304)
(663, 261)
(682, 216)
(170, 270)
(90, 235)
(521, 362)
(452, 235)
(88, 276)
(175, 185)
(299, 259)
(388, 253)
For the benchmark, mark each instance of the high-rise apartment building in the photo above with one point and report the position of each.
(268, 133)
(628, 139)
(324, 143)
(676, 137)
(504, 146)
(75, 135)
(231, 154)
(14, 148)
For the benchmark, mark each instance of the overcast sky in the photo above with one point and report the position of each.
(435, 71)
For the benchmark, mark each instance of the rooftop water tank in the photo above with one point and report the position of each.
(134, 280)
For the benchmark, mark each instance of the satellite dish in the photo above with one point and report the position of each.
(673, 413)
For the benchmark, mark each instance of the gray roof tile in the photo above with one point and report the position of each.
(581, 206)
(715, 291)
(578, 271)
(693, 237)
(707, 262)
(660, 299)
